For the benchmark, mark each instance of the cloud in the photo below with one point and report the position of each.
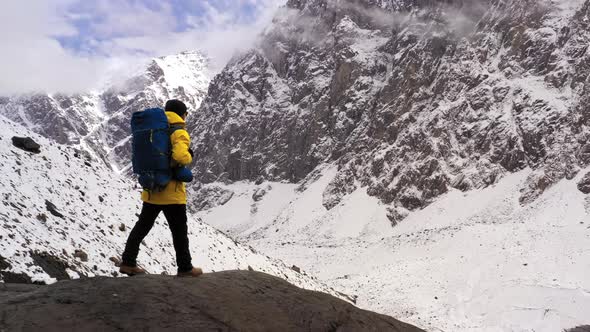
(460, 18)
(221, 29)
(72, 45)
(116, 18)
(31, 57)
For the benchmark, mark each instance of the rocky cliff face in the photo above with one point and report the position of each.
(65, 119)
(99, 121)
(409, 98)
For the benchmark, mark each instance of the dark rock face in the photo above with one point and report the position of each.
(15, 278)
(27, 144)
(584, 328)
(408, 98)
(584, 184)
(208, 197)
(4, 264)
(52, 265)
(342, 185)
(62, 118)
(225, 301)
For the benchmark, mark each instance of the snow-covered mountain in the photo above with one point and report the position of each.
(409, 98)
(64, 215)
(465, 125)
(98, 121)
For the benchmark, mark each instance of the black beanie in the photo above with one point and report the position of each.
(176, 106)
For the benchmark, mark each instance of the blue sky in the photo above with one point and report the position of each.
(177, 16)
(68, 44)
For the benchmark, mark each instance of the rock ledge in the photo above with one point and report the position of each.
(222, 301)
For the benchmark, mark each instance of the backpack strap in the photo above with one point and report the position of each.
(173, 128)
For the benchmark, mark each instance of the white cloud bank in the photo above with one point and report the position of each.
(218, 33)
(32, 59)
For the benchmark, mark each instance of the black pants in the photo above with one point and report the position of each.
(176, 216)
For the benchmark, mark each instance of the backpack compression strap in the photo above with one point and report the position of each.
(171, 130)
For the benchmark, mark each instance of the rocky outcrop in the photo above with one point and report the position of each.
(584, 184)
(584, 328)
(209, 196)
(223, 301)
(409, 98)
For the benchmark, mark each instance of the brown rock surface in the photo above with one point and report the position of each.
(223, 301)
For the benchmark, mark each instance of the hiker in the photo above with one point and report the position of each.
(171, 200)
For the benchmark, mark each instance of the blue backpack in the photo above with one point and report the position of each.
(152, 150)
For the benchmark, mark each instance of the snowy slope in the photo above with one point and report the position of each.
(476, 261)
(98, 209)
(187, 71)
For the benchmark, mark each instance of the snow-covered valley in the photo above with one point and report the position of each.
(476, 261)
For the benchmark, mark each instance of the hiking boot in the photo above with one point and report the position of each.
(195, 272)
(131, 270)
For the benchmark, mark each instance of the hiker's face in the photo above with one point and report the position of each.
(184, 116)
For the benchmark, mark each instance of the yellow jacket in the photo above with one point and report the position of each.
(175, 192)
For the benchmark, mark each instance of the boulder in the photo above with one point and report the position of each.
(81, 254)
(53, 209)
(258, 194)
(116, 261)
(27, 144)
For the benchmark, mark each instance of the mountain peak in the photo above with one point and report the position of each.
(99, 120)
